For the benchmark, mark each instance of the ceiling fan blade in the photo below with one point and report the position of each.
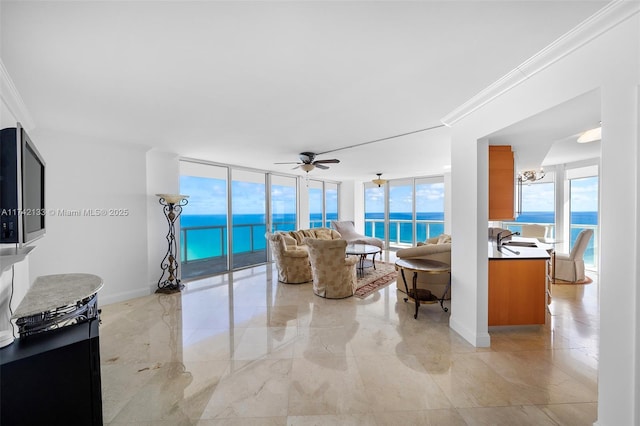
(320, 166)
(289, 162)
(331, 161)
(296, 167)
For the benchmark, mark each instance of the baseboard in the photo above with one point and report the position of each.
(479, 340)
(122, 296)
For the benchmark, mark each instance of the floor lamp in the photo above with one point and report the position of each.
(171, 207)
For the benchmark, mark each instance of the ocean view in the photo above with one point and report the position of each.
(204, 236)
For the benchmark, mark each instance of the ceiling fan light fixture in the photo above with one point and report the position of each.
(379, 181)
(591, 135)
(307, 167)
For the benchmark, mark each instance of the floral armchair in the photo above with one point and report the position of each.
(292, 262)
(334, 274)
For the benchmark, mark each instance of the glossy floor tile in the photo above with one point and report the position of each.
(244, 349)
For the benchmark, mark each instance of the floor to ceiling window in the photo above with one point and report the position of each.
(415, 210)
(584, 214)
(323, 203)
(429, 208)
(284, 201)
(536, 205)
(330, 203)
(208, 246)
(375, 211)
(203, 223)
(577, 195)
(249, 218)
(316, 203)
(401, 229)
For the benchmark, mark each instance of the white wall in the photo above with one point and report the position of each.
(347, 197)
(96, 196)
(616, 73)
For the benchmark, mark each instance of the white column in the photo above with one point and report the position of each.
(618, 359)
(469, 222)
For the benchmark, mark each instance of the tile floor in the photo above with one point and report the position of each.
(243, 349)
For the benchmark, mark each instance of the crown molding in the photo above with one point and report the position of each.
(11, 97)
(599, 23)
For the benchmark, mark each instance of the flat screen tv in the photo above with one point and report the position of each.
(22, 186)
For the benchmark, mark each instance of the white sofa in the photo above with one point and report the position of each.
(437, 248)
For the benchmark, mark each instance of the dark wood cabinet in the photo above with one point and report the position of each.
(52, 378)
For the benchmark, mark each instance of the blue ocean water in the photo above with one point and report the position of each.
(588, 219)
(205, 236)
(431, 224)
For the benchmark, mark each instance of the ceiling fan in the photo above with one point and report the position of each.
(308, 162)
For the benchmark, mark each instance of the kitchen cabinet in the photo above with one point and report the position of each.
(501, 183)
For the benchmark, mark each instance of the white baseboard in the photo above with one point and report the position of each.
(479, 340)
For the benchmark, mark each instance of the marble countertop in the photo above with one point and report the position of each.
(56, 291)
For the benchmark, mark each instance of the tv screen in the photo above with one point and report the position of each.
(32, 190)
(22, 186)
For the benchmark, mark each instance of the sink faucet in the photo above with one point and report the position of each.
(500, 238)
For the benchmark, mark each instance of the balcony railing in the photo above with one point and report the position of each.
(209, 242)
(592, 251)
(401, 230)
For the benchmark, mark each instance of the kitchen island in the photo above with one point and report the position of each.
(518, 282)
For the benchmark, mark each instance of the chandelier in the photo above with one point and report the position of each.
(379, 181)
(530, 175)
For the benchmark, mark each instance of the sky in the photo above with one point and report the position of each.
(208, 196)
(429, 198)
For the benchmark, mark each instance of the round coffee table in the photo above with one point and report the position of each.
(363, 250)
(426, 266)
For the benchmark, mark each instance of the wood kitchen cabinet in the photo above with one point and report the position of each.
(517, 291)
(501, 183)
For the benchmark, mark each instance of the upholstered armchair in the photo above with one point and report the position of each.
(534, 230)
(436, 248)
(292, 262)
(347, 231)
(570, 267)
(334, 274)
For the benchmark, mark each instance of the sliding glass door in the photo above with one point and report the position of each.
(375, 211)
(330, 203)
(401, 228)
(429, 208)
(203, 223)
(415, 206)
(248, 219)
(584, 214)
(283, 203)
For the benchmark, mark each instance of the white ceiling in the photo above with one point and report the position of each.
(254, 83)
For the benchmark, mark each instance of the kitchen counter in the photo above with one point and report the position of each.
(519, 248)
(518, 282)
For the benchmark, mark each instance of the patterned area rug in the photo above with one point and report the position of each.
(375, 279)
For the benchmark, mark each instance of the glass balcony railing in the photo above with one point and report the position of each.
(209, 242)
(591, 253)
(401, 230)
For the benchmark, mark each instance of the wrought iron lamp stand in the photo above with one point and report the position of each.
(172, 208)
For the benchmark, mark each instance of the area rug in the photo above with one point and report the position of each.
(586, 280)
(375, 279)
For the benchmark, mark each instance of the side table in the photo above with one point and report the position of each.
(425, 266)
